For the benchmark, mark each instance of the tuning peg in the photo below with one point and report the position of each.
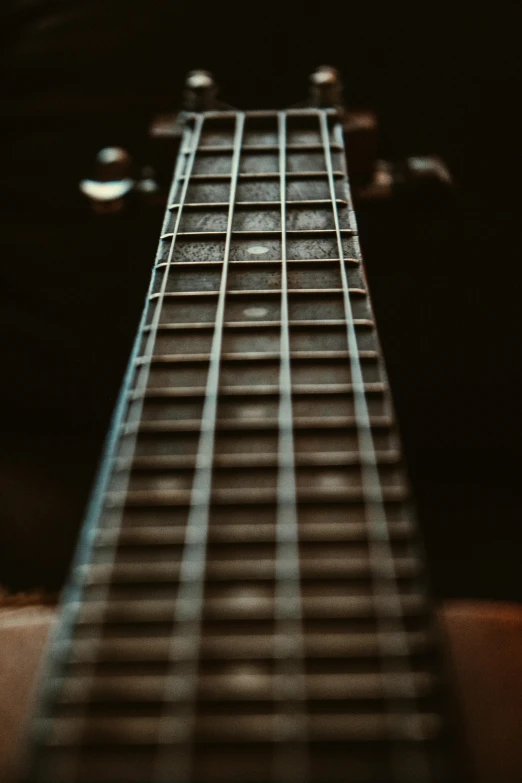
(326, 88)
(111, 182)
(428, 172)
(422, 180)
(200, 93)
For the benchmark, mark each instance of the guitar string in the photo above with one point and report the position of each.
(133, 415)
(290, 760)
(151, 341)
(174, 760)
(391, 628)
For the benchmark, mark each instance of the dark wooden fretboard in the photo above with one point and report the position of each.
(248, 603)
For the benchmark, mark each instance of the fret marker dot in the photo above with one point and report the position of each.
(255, 312)
(257, 250)
(252, 411)
(331, 480)
(246, 678)
(245, 599)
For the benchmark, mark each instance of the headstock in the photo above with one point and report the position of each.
(118, 183)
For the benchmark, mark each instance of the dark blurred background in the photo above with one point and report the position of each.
(444, 79)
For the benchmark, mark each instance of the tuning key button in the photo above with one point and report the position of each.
(428, 171)
(417, 180)
(200, 91)
(113, 163)
(111, 182)
(422, 180)
(326, 88)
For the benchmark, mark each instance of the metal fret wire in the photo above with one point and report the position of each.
(174, 759)
(143, 377)
(80, 571)
(395, 654)
(291, 761)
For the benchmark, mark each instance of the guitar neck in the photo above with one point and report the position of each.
(248, 602)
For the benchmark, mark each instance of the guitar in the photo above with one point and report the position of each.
(248, 601)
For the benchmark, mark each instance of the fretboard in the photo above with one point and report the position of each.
(248, 602)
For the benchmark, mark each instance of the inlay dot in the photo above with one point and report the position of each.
(252, 411)
(331, 480)
(246, 599)
(255, 312)
(169, 482)
(247, 678)
(257, 250)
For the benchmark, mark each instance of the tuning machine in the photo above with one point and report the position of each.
(111, 182)
(419, 178)
(200, 91)
(116, 182)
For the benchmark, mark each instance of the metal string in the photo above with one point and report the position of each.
(381, 553)
(291, 760)
(391, 629)
(81, 571)
(174, 759)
